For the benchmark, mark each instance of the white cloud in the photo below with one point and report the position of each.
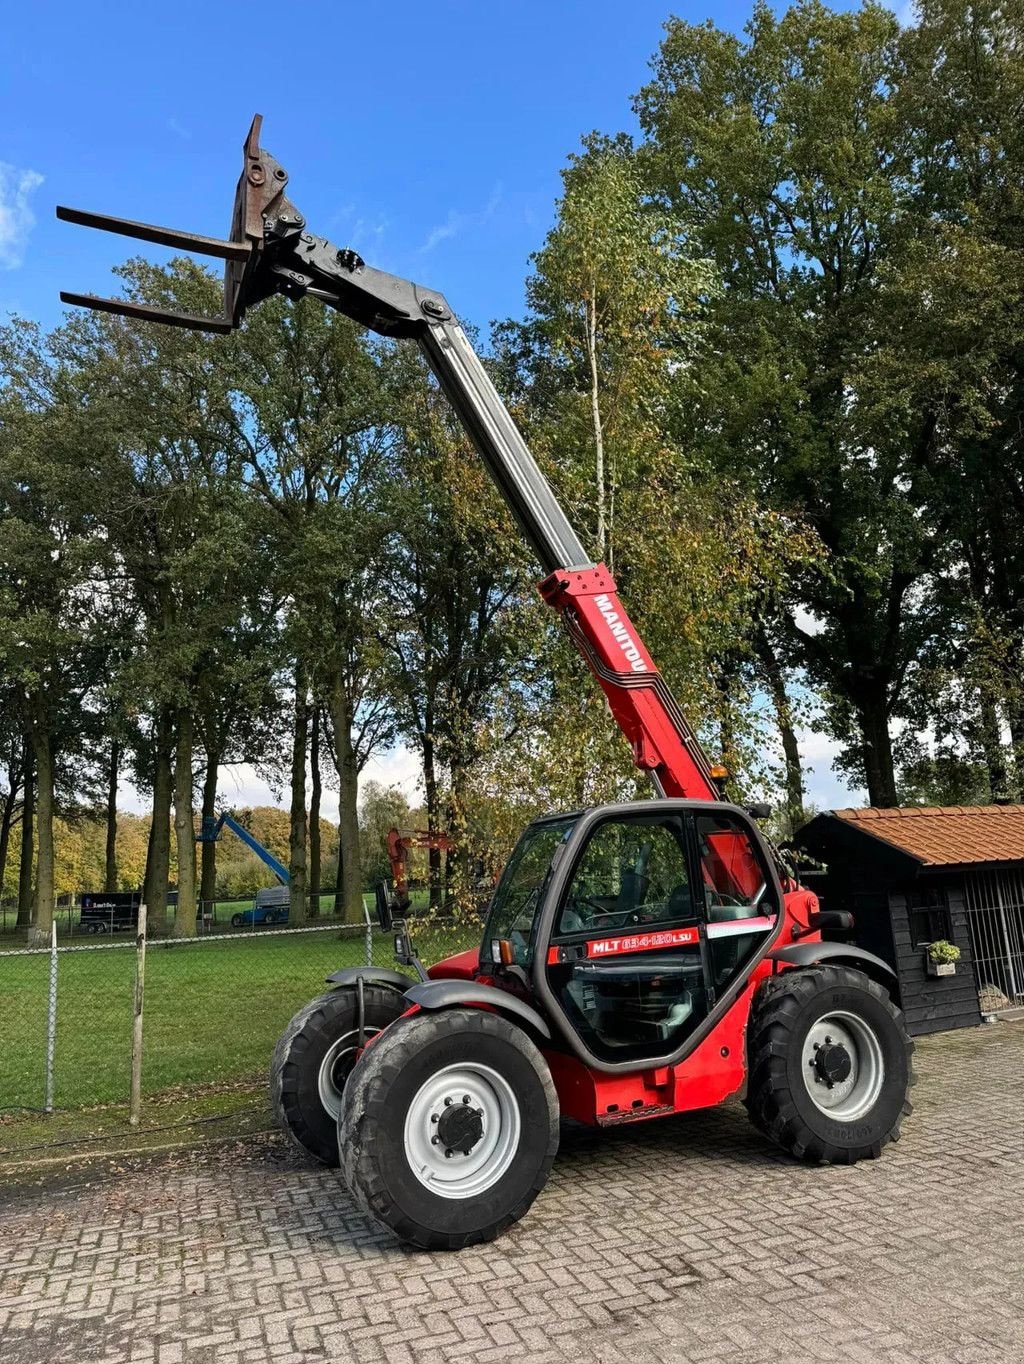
(16, 216)
(457, 221)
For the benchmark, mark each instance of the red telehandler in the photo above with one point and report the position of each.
(637, 960)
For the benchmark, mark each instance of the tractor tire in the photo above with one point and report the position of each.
(829, 1065)
(448, 1128)
(314, 1057)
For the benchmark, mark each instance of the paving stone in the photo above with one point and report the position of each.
(687, 1241)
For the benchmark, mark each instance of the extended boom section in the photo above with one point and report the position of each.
(269, 252)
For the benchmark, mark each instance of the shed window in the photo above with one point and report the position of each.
(928, 911)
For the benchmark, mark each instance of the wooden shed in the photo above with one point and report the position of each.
(915, 875)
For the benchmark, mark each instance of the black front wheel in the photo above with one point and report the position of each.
(314, 1057)
(448, 1128)
(829, 1065)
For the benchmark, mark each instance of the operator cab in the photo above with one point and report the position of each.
(631, 923)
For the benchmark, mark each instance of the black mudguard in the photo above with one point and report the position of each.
(370, 975)
(811, 953)
(444, 994)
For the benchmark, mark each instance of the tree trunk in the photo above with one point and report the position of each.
(876, 747)
(44, 897)
(457, 868)
(184, 923)
(595, 417)
(434, 818)
(158, 855)
(1015, 718)
(776, 684)
(297, 832)
(26, 904)
(992, 747)
(314, 815)
(350, 880)
(208, 856)
(110, 860)
(6, 824)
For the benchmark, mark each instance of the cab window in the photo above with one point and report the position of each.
(631, 873)
(626, 960)
(518, 893)
(738, 892)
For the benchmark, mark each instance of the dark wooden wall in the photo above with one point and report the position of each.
(933, 1004)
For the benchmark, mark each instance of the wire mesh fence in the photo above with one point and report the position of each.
(214, 1008)
(99, 914)
(995, 919)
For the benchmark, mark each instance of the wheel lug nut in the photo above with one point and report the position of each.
(448, 1103)
(465, 1098)
(434, 1140)
(434, 1117)
(448, 1155)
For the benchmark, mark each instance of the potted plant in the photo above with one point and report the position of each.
(941, 958)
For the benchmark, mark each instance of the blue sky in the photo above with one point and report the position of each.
(428, 136)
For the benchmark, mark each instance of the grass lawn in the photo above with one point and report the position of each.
(213, 1010)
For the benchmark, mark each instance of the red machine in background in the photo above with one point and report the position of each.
(637, 960)
(399, 843)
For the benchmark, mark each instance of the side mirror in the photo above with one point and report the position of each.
(382, 896)
(834, 920)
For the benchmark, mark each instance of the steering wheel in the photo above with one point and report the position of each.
(600, 912)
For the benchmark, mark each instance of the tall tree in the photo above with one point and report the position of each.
(50, 616)
(312, 424)
(452, 623)
(615, 343)
(783, 153)
(952, 343)
(174, 516)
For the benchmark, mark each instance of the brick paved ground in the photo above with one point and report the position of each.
(685, 1240)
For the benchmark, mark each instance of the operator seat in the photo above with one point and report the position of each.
(725, 952)
(680, 902)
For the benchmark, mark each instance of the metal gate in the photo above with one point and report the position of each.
(995, 918)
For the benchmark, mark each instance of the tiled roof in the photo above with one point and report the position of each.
(947, 835)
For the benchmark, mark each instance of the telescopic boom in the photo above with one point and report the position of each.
(271, 252)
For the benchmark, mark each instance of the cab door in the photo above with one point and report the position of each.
(657, 917)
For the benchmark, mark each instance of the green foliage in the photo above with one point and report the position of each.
(772, 367)
(380, 808)
(943, 951)
(827, 163)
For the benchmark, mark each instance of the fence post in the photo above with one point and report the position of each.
(369, 934)
(135, 1101)
(51, 1018)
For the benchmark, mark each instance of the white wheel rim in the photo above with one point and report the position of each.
(490, 1097)
(327, 1080)
(850, 1098)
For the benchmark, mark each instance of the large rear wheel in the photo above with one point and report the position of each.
(448, 1128)
(314, 1057)
(830, 1065)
